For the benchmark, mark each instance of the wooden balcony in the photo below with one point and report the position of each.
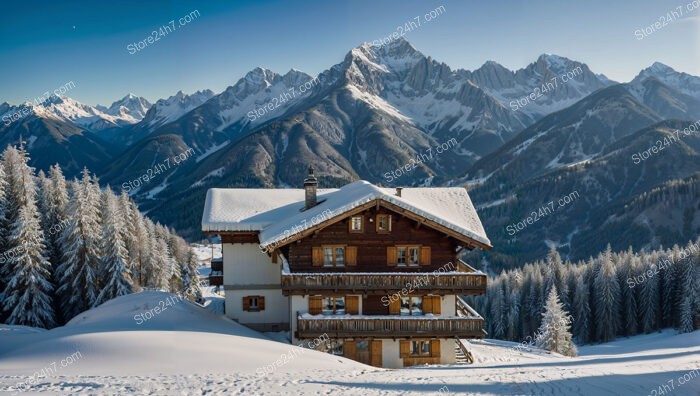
(390, 327)
(462, 280)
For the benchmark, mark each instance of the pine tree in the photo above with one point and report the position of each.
(649, 295)
(686, 293)
(554, 334)
(190, 277)
(607, 299)
(4, 271)
(27, 294)
(582, 311)
(628, 305)
(114, 273)
(79, 283)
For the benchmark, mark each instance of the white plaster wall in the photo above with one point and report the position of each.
(246, 264)
(391, 354)
(276, 306)
(296, 304)
(447, 351)
(448, 307)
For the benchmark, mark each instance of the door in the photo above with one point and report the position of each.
(375, 349)
(362, 353)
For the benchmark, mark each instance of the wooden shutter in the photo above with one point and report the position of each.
(246, 303)
(435, 348)
(427, 304)
(425, 255)
(375, 353)
(275, 253)
(404, 348)
(352, 305)
(395, 307)
(261, 302)
(315, 305)
(317, 256)
(351, 256)
(389, 223)
(349, 349)
(437, 303)
(391, 257)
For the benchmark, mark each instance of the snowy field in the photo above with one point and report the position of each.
(127, 346)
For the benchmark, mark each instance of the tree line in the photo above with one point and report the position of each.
(611, 295)
(68, 246)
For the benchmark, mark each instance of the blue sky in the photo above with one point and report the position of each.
(44, 45)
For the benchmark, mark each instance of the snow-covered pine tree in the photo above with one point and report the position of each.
(554, 334)
(3, 230)
(649, 297)
(113, 269)
(582, 310)
(668, 290)
(686, 277)
(606, 298)
(190, 277)
(498, 308)
(79, 282)
(27, 294)
(628, 300)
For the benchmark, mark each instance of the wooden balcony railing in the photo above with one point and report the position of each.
(389, 326)
(465, 280)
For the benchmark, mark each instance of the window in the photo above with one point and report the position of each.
(420, 348)
(253, 303)
(412, 306)
(333, 306)
(334, 256)
(407, 256)
(334, 347)
(357, 224)
(383, 223)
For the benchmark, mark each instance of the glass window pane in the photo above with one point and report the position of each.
(361, 346)
(401, 256)
(328, 305)
(425, 348)
(413, 256)
(339, 256)
(416, 305)
(340, 305)
(383, 222)
(357, 223)
(405, 306)
(337, 348)
(415, 348)
(327, 257)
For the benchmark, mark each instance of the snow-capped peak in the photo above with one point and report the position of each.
(683, 82)
(172, 108)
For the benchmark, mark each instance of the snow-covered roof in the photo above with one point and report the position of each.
(277, 214)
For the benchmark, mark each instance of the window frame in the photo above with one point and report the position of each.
(378, 223)
(335, 305)
(333, 248)
(351, 228)
(407, 249)
(410, 305)
(420, 344)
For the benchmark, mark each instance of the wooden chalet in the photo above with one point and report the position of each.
(373, 272)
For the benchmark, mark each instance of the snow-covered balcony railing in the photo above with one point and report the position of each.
(460, 281)
(311, 326)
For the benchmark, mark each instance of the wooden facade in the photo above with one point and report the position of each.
(373, 248)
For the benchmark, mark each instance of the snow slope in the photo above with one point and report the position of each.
(187, 351)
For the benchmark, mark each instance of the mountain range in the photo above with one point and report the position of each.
(518, 139)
